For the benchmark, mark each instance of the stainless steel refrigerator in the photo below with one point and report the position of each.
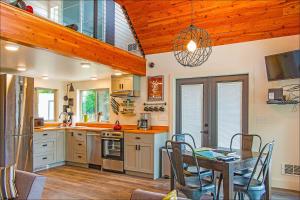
(16, 121)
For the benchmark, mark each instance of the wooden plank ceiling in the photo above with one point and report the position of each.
(29, 30)
(157, 22)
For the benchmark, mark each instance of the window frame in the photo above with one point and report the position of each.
(36, 103)
(80, 117)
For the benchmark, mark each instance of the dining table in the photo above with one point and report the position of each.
(247, 159)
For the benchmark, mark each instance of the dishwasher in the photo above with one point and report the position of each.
(94, 150)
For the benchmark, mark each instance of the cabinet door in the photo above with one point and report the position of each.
(145, 163)
(127, 83)
(131, 157)
(116, 84)
(69, 146)
(60, 146)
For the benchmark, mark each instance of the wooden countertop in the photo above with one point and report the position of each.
(152, 131)
(98, 129)
(70, 128)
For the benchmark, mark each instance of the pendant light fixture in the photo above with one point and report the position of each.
(192, 46)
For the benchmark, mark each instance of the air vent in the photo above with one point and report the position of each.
(289, 169)
(132, 47)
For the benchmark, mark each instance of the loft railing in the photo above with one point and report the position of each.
(101, 19)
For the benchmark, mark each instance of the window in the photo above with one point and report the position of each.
(54, 16)
(45, 104)
(92, 102)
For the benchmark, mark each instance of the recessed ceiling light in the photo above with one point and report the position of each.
(93, 78)
(85, 65)
(45, 77)
(118, 73)
(21, 69)
(11, 47)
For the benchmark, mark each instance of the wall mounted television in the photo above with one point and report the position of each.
(283, 66)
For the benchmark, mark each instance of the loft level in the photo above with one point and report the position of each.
(25, 28)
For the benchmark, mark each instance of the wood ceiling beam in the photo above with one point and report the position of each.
(27, 29)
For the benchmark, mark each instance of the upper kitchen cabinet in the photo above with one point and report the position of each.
(125, 85)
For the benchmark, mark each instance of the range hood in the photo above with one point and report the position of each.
(125, 86)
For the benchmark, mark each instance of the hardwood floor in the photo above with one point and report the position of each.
(79, 183)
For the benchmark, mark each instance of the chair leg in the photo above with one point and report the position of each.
(235, 195)
(219, 186)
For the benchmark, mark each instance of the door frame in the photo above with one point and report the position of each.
(210, 98)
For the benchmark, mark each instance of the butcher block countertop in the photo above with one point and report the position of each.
(71, 128)
(95, 127)
(152, 131)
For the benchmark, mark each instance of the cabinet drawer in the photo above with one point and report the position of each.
(46, 135)
(43, 159)
(44, 146)
(141, 138)
(80, 157)
(80, 146)
(80, 135)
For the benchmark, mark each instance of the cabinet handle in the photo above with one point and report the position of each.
(80, 134)
(137, 138)
(139, 147)
(45, 134)
(79, 144)
(136, 147)
(79, 156)
(122, 86)
(44, 145)
(44, 158)
(72, 134)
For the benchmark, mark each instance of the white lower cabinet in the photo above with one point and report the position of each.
(142, 153)
(60, 146)
(48, 149)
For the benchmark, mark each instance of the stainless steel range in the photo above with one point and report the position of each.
(113, 151)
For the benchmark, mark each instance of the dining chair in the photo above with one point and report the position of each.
(247, 141)
(188, 169)
(254, 186)
(193, 187)
(246, 145)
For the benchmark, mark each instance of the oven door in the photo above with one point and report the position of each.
(112, 148)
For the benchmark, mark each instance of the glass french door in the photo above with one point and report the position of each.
(212, 109)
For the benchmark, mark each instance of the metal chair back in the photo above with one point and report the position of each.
(247, 141)
(264, 159)
(176, 159)
(182, 138)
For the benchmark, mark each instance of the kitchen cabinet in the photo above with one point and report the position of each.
(142, 153)
(131, 156)
(69, 146)
(60, 146)
(146, 158)
(127, 82)
(48, 149)
(76, 150)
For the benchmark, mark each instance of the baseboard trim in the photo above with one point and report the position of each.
(287, 185)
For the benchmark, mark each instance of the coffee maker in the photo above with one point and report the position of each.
(144, 122)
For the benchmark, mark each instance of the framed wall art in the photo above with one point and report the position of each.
(156, 88)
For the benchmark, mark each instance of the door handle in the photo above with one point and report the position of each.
(204, 132)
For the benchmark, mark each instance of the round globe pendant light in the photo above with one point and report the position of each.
(192, 46)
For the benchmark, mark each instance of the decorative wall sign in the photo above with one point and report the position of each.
(156, 88)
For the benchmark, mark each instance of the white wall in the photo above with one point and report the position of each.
(270, 121)
(157, 118)
(51, 84)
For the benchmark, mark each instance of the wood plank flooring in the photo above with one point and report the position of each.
(68, 182)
